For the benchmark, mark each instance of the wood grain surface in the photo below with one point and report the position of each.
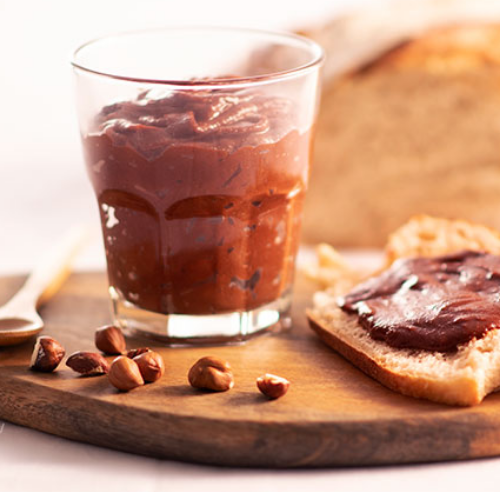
(332, 415)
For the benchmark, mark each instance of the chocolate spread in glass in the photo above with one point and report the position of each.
(200, 194)
(435, 304)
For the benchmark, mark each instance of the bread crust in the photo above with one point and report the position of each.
(463, 392)
(426, 236)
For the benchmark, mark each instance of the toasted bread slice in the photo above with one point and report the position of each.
(463, 377)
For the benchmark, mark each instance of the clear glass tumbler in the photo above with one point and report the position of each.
(198, 146)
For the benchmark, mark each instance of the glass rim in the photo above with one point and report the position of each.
(317, 58)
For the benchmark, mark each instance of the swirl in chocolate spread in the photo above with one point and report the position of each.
(232, 119)
(434, 304)
(200, 195)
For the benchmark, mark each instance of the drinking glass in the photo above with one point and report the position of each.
(198, 142)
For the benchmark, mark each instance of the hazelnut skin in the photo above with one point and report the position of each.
(212, 374)
(132, 353)
(110, 340)
(150, 365)
(272, 386)
(47, 354)
(124, 374)
(88, 363)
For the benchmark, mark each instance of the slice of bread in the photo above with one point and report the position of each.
(463, 377)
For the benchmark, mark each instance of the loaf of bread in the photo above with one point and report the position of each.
(414, 130)
(463, 377)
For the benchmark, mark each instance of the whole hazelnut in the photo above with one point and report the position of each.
(88, 363)
(273, 386)
(124, 374)
(47, 354)
(150, 365)
(110, 340)
(211, 373)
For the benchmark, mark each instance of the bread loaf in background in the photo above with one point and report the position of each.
(414, 130)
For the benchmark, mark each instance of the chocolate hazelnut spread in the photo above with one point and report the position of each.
(435, 304)
(200, 194)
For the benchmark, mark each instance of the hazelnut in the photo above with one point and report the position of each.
(150, 365)
(132, 353)
(110, 340)
(47, 354)
(211, 373)
(88, 363)
(273, 386)
(124, 374)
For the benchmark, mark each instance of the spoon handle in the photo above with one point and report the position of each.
(52, 270)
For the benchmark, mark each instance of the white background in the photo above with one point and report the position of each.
(44, 190)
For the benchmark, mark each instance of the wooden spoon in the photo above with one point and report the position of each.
(19, 320)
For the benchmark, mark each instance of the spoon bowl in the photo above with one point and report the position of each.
(14, 330)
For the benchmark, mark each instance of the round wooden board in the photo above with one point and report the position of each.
(332, 415)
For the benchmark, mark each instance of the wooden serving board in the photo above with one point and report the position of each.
(332, 415)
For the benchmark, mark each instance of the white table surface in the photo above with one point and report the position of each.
(43, 190)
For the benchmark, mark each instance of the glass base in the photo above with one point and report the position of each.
(184, 329)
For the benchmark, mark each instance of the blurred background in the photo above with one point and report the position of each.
(410, 119)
